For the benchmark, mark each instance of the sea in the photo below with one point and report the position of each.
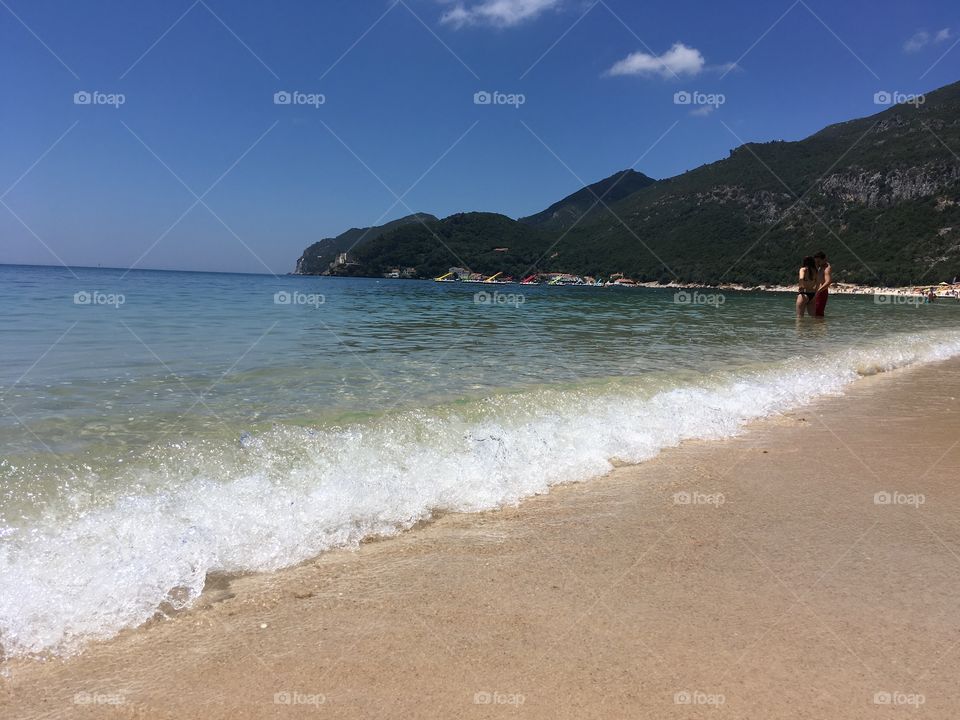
(161, 428)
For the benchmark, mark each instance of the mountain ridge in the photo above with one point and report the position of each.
(564, 213)
(880, 194)
(319, 256)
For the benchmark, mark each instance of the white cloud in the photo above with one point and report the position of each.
(920, 39)
(499, 13)
(703, 110)
(678, 60)
(917, 42)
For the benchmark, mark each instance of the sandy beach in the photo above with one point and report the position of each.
(806, 569)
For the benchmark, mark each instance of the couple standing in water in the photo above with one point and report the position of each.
(815, 281)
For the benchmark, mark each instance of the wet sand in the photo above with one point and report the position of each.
(807, 569)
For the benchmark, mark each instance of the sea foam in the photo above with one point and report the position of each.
(292, 493)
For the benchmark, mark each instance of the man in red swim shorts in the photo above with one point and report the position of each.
(824, 280)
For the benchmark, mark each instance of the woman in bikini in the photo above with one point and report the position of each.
(808, 285)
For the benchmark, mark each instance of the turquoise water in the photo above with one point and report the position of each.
(156, 427)
(124, 376)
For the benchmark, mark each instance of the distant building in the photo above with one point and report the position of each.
(343, 260)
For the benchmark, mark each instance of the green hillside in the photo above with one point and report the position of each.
(317, 258)
(879, 194)
(565, 213)
(479, 241)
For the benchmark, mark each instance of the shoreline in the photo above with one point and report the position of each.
(628, 593)
(943, 292)
(836, 289)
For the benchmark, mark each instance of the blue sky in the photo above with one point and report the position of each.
(199, 168)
